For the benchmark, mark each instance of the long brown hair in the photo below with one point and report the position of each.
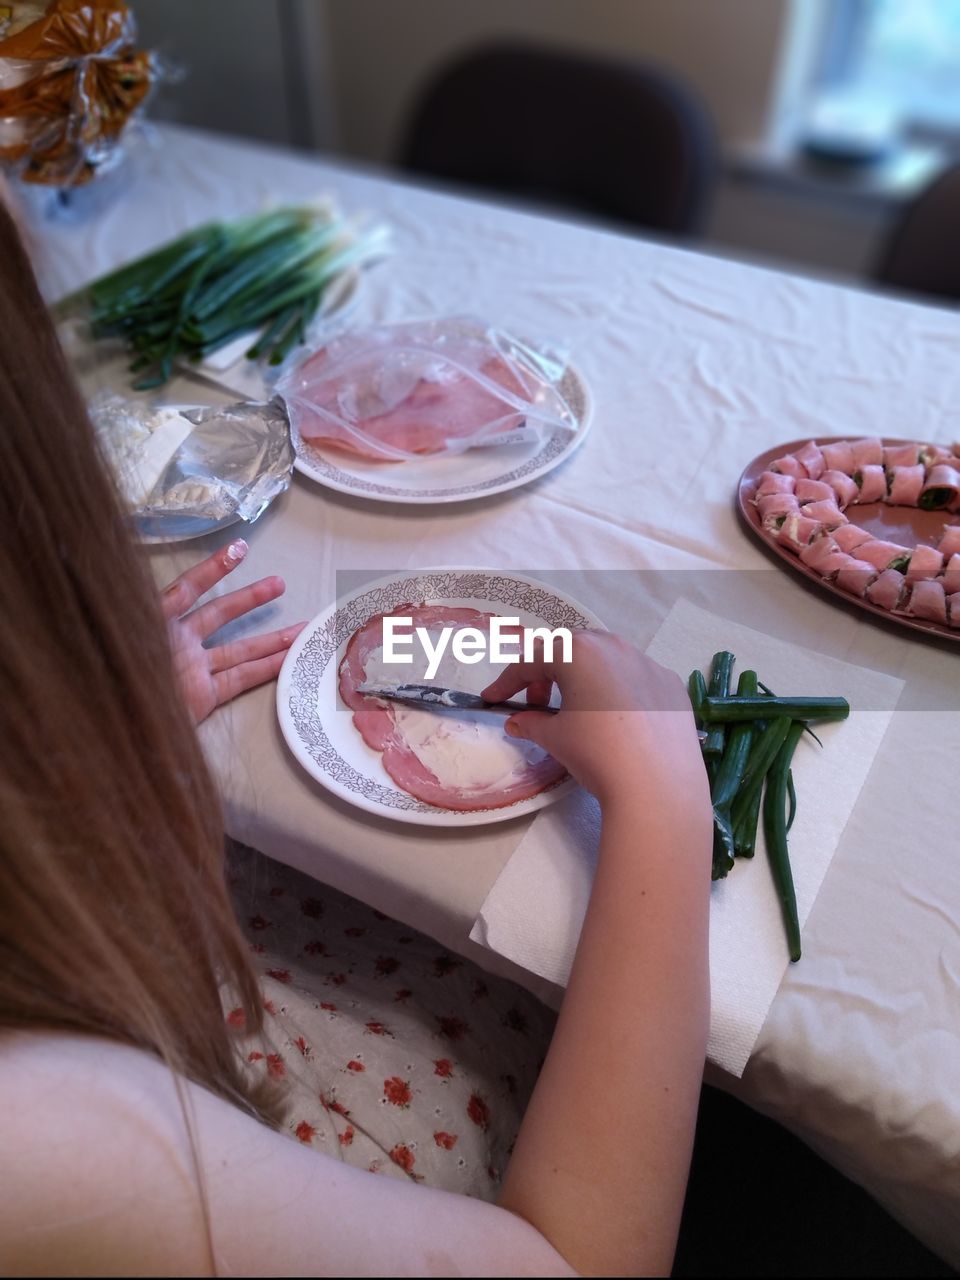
(115, 918)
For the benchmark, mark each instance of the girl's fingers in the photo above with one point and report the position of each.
(184, 592)
(247, 675)
(539, 693)
(516, 676)
(225, 656)
(217, 613)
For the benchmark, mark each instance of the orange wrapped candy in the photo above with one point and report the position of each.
(70, 79)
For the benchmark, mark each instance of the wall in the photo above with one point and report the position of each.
(253, 68)
(730, 50)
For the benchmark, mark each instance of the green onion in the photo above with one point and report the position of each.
(727, 781)
(775, 835)
(190, 297)
(718, 711)
(720, 671)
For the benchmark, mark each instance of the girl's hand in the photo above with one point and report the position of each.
(210, 677)
(626, 728)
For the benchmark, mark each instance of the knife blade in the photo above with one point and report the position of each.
(428, 695)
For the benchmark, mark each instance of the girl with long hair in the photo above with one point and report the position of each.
(137, 1134)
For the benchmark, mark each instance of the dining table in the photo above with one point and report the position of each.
(696, 363)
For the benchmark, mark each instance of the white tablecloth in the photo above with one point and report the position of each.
(697, 365)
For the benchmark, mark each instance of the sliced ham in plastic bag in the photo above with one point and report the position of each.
(398, 392)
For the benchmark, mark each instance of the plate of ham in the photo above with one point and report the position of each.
(427, 765)
(874, 521)
(433, 412)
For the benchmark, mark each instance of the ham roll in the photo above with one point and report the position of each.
(928, 600)
(811, 459)
(872, 482)
(826, 511)
(838, 457)
(949, 543)
(884, 555)
(951, 575)
(856, 576)
(848, 537)
(901, 455)
(789, 466)
(824, 557)
(904, 485)
(953, 610)
(772, 482)
(925, 562)
(798, 531)
(845, 490)
(867, 452)
(888, 590)
(813, 491)
(941, 488)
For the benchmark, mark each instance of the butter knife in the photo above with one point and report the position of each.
(428, 695)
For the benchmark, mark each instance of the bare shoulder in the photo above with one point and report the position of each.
(97, 1135)
(112, 1169)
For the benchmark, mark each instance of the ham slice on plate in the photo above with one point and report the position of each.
(452, 759)
(417, 414)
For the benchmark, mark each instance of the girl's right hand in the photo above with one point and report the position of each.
(626, 729)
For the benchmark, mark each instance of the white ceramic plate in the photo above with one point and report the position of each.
(318, 726)
(478, 473)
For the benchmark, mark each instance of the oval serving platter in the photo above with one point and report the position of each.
(906, 525)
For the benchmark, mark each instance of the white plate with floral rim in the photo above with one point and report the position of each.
(462, 477)
(318, 726)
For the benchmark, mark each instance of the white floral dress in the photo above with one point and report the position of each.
(400, 1058)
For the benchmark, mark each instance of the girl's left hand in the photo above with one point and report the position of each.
(210, 677)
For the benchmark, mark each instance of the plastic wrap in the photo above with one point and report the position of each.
(394, 393)
(70, 81)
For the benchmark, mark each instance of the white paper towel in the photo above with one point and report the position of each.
(534, 912)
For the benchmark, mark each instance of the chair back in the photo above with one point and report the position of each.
(615, 138)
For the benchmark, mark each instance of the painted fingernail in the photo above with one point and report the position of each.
(512, 729)
(237, 550)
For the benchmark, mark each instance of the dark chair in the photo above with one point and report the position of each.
(621, 141)
(922, 253)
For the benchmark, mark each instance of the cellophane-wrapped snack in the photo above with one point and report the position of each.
(71, 79)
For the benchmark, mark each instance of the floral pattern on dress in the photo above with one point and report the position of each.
(397, 1057)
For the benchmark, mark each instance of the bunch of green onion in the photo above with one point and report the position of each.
(751, 736)
(265, 274)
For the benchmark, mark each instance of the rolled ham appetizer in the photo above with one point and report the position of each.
(885, 555)
(949, 543)
(928, 600)
(813, 491)
(824, 557)
(867, 452)
(811, 459)
(838, 456)
(789, 466)
(904, 485)
(941, 488)
(848, 537)
(953, 610)
(931, 454)
(925, 562)
(871, 480)
(856, 576)
(771, 482)
(951, 575)
(901, 455)
(888, 590)
(826, 511)
(798, 531)
(845, 490)
(774, 507)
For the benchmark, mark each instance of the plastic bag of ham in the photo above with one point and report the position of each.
(394, 393)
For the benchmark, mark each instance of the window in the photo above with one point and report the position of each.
(891, 64)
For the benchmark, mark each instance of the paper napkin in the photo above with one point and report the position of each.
(534, 912)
